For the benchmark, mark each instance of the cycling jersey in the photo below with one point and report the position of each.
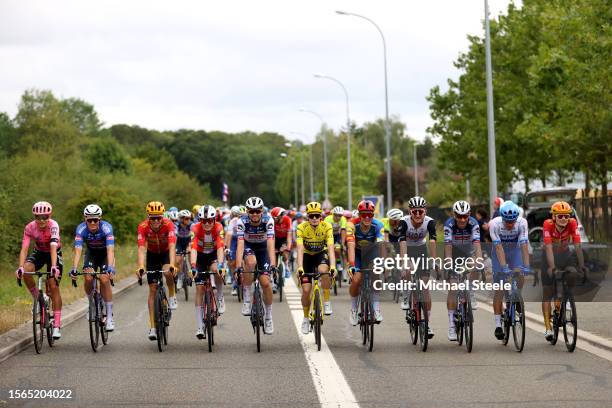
(207, 241)
(461, 237)
(516, 234)
(362, 238)
(255, 236)
(156, 241)
(393, 232)
(415, 236)
(43, 238)
(282, 228)
(98, 240)
(337, 227)
(315, 240)
(561, 239)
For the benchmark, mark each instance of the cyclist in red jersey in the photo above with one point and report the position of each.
(157, 245)
(559, 232)
(45, 233)
(207, 254)
(283, 234)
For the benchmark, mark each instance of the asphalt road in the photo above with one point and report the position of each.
(129, 371)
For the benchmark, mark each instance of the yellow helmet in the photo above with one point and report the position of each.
(155, 208)
(195, 208)
(313, 208)
(561, 207)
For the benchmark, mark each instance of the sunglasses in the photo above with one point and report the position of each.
(462, 217)
(314, 216)
(254, 211)
(41, 217)
(417, 212)
(93, 220)
(366, 215)
(563, 216)
(155, 219)
(208, 220)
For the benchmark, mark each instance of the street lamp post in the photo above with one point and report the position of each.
(323, 127)
(311, 177)
(348, 137)
(387, 124)
(490, 117)
(416, 171)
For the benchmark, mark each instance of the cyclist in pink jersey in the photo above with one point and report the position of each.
(47, 251)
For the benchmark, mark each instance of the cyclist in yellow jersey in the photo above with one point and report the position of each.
(338, 222)
(313, 237)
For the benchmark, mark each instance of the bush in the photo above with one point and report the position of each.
(107, 154)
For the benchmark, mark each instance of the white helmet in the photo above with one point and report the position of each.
(184, 213)
(207, 212)
(417, 202)
(355, 213)
(254, 203)
(395, 214)
(235, 210)
(173, 215)
(338, 211)
(461, 207)
(92, 210)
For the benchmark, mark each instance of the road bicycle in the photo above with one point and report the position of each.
(564, 313)
(316, 314)
(209, 307)
(464, 317)
(257, 308)
(416, 314)
(366, 318)
(161, 310)
(280, 274)
(513, 316)
(183, 275)
(96, 314)
(42, 317)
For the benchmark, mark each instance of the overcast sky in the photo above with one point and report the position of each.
(235, 65)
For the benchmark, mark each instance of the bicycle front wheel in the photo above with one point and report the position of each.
(102, 320)
(185, 278)
(412, 321)
(468, 325)
(208, 312)
(518, 326)
(159, 321)
(423, 326)
(570, 323)
(256, 312)
(317, 322)
(370, 326)
(38, 322)
(94, 329)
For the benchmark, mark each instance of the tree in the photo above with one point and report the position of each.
(108, 155)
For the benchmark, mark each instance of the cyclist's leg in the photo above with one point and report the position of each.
(202, 264)
(53, 285)
(34, 262)
(547, 293)
(153, 263)
(250, 261)
(355, 287)
(169, 275)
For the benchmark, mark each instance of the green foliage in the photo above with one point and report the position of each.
(82, 114)
(108, 155)
(8, 134)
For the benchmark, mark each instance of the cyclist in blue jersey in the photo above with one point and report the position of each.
(184, 236)
(100, 255)
(363, 232)
(510, 253)
(461, 243)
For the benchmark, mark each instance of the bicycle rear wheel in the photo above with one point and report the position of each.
(370, 319)
(317, 322)
(361, 317)
(185, 278)
(335, 285)
(556, 321)
(518, 326)
(49, 325)
(507, 319)
(256, 312)
(468, 325)
(159, 321)
(570, 322)
(94, 329)
(102, 320)
(411, 319)
(38, 322)
(459, 322)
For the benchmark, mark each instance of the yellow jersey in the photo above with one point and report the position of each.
(315, 240)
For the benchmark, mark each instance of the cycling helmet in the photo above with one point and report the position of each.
(195, 209)
(207, 212)
(235, 210)
(417, 202)
(395, 214)
(338, 211)
(173, 215)
(184, 214)
(172, 209)
(92, 210)
(355, 214)
(499, 201)
(365, 206)
(509, 211)
(277, 212)
(313, 207)
(461, 207)
(155, 208)
(254, 203)
(347, 214)
(42, 208)
(561, 207)
(299, 215)
(242, 209)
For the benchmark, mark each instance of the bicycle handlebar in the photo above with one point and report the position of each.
(74, 283)
(39, 273)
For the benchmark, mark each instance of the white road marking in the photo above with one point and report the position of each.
(588, 347)
(332, 388)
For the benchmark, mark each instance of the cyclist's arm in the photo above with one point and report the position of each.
(524, 241)
(220, 248)
(448, 250)
(239, 252)
(110, 255)
(77, 257)
(343, 237)
(271, 252)
(53, 254)
(300, 254)
(501, 255)
(172, 249)
(331, 248)
(110, 244)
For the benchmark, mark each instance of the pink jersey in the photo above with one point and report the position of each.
(42, 238)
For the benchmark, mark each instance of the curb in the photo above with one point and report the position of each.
(592, 339)
(19, 338)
